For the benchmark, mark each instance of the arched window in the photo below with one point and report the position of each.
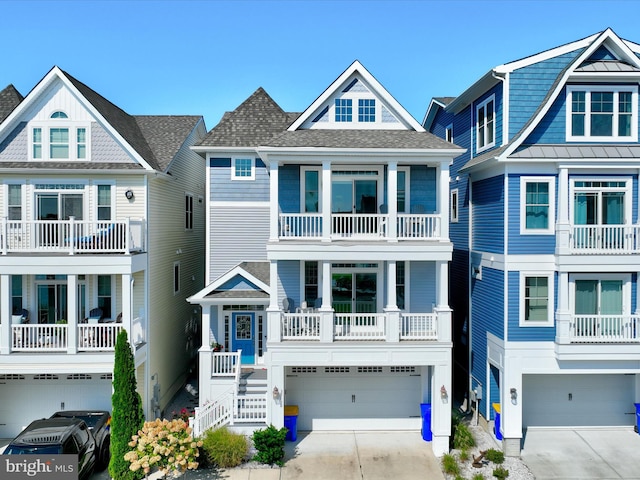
(59, 114)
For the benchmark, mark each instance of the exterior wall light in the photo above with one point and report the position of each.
(276, 393)
(443, 392)
(514, 396)
(129, 194)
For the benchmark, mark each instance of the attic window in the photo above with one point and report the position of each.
(59, 114)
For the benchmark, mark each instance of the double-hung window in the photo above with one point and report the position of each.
(366, 110)
(243, 169)
(58, 137)
(104, 295)
(536, 299)
(104, 202)
(311, 190)
(188, 211)
(537, 205)
(602, 113)
(14, 205)
(485, 124)
(454, 205)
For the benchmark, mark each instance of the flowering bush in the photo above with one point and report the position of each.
(165, 444)
(184, 415)
(217, 347)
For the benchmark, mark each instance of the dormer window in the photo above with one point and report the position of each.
(59, 138)
(602, 113)
(344, 110)
(367, 110)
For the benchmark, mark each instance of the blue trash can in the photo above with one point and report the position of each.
(291, 422)
(496, 421)
(637, 428)
(425, 414)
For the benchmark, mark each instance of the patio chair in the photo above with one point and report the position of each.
(288, 305)
(95, 315)
(21, 316)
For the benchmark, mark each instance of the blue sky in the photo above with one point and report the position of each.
(206, 57)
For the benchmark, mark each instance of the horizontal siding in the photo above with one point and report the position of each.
(526, 244)
(459, 287)
(223, 189)
(516, 332)
(289, 281)
(422, 285)
(422, 187)
(289, 184)
(237, 234)
(529, 85)
(488, 215)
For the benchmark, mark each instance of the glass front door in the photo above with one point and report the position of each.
(354, 196)
(243, 325)
(354, 292)
(52, 303)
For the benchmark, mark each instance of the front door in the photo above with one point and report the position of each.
(354, 292)
(243, 332)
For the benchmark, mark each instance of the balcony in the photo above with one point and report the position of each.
(71, 236)
(604, 329)
(598, 239)
(309, 226)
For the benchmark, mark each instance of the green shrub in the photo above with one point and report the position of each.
(459, 477)
(464, 455)
(495, 456)
(450, 464)
(224, 448)
(478, 476)
(269, 443)
(462, 437)
(500, 473)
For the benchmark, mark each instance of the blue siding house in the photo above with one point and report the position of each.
(546, 232)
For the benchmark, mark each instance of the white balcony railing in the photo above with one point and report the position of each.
(359, 326)
(604, 329)
(409, 226)
(605, 239)
(55, 337)
(301, 326)
(71, 236)
(419, 326)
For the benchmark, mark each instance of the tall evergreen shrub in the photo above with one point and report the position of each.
(127, 416)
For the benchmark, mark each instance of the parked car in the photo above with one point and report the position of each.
(57, 436)
(99, 422)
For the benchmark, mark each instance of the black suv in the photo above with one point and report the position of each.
(57, 436)
(99, 422)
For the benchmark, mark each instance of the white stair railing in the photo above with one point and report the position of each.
(214, 415)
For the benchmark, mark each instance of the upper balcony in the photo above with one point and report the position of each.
(72, 236)
(604, 239)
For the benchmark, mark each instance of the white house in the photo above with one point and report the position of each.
(101, 229)
(327, 265)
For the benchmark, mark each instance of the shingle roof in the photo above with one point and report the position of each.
(396, 139)
(577, 151)
(165, 134)
(10, 98)
(252, 124)
(72, 165)
(260, 270)
(607, 66)
(444, 100)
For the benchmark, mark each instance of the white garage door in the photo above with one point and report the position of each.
(577, 400)
(355, 398)
(24, 398)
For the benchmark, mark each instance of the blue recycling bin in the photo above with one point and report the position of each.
(496, 421)
(291, 422)
(637, 417)
(425, 414)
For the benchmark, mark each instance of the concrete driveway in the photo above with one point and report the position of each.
(582, 454)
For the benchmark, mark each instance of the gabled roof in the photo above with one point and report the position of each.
(255, 273)
(435, 105)
(356, 68)
(10, 98)
(253, 123)
(152, 140)
(625, 54)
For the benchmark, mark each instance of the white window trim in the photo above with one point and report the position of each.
(550, 230)
(626, 288)
(628, 198)
(587, 120)
(448, 132)
(303, 187)
(355, 97)
(5, 196)
(94, 192)
(407, 286)
(95, 294)
(193, 217)
(551, 302)
(483, 104)
(253, 167)
(454, 205)
(46, 125)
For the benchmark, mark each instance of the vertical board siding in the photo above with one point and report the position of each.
(526, 244)
(422, 187)
(488, 215)
(289, 184)
(237, 234)
(223, 189)
(517, 333)
(289, 281)
(528, 86)
(422, 285)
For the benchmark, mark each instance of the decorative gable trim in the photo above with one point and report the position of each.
(338, 85)
(223, 279)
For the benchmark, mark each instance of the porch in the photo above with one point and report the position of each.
(602, 239)
(72, 236)
(598, 329)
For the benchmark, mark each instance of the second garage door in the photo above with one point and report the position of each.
(577, 400)
(355, 398)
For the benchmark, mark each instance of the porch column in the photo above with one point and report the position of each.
(392, 201)
(274, 221)
(205, 357)
(127, 306)
(326, 310)
(563, 227)
(563, 314)
(72, 314)
(392, 311)
(276, 379)
(274, 313)
(511, 405)
(326, 201)
(5, 313)
(443, 199)
(441, 399)
(442, 309)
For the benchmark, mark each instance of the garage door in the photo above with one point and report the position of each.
(24, 398)
(577, 400)
(355, 398)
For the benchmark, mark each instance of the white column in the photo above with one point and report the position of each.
(563, 226)
(392, 301)
(392, 312)
(326, 311)
(392, 201)
(72, 314)
(127, 306)
(273, 285)
(326, 200)
(276, 379)
(5, 313)
(273, 201)
(443, 199)
(205, 355)
(274, 313)
(442, 284)
(441, 399)
(563, 314)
